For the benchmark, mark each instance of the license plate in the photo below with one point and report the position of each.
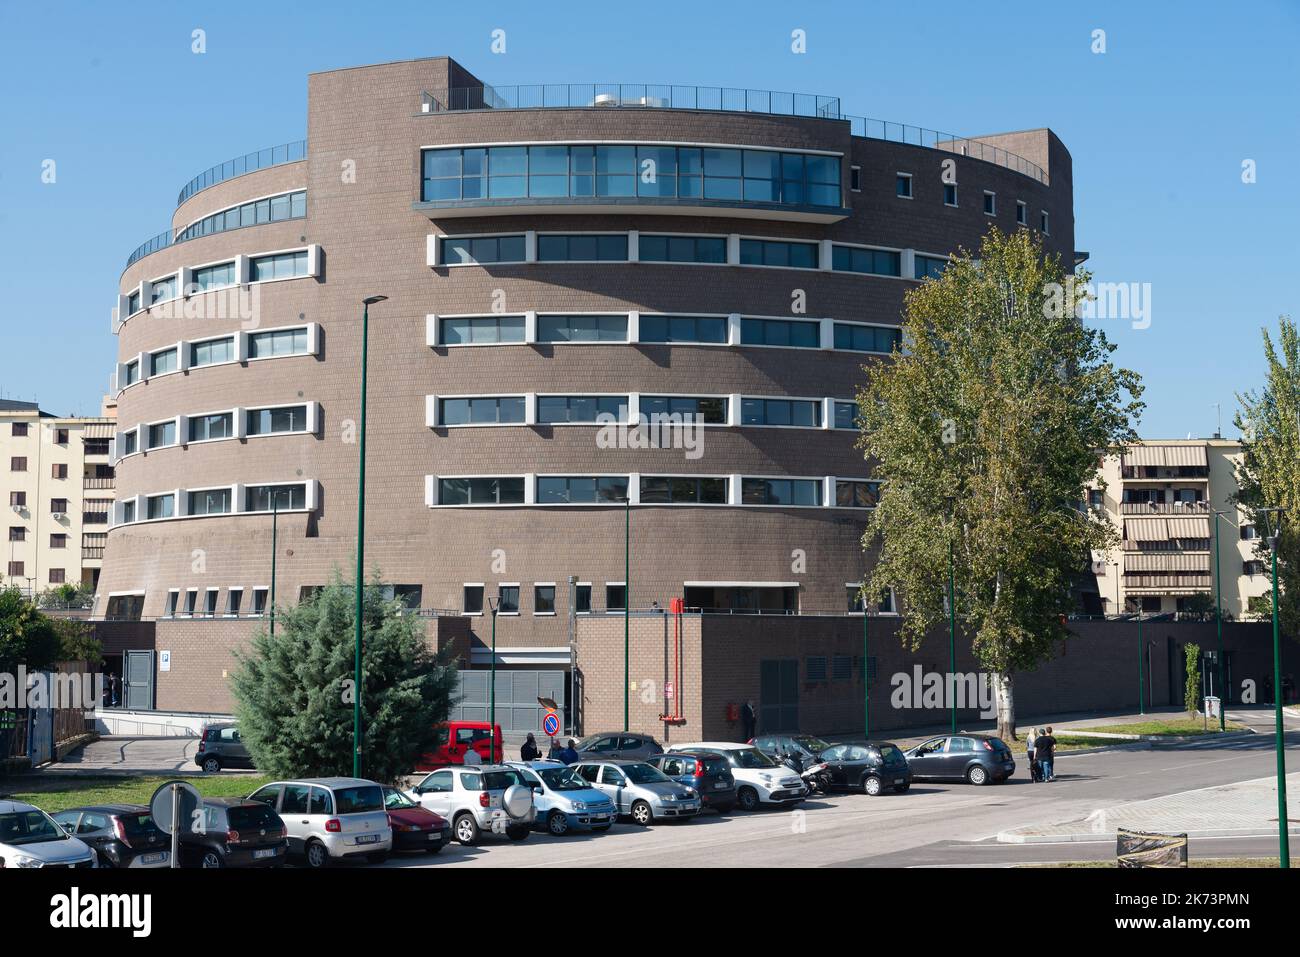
(435, 836)
(898, 780)
(260, 855)
(368, 839)
(152, 858)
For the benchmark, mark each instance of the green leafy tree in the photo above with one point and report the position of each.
(294, 691)
(986, 429)
(1192, 690)
(1268, 475)
(26, 636)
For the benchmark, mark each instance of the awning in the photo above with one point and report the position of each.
(1168, 455)
(1190, 527)
(99, 430)
(1146, 530)
(1167, 562)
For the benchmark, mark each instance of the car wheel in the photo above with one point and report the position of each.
(557, 823)
(212, 765)
(977, 775)
(466, 830)
(317, 856)
(211, 860)
(641, 813)
(748, 799)
(518, 832)
(871, 785)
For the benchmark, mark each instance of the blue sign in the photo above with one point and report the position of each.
(551, 724)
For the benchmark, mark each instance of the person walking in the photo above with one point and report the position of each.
(530, 751)
(748, 720)
(1029, 754)
(1045, 752)
(471, 756)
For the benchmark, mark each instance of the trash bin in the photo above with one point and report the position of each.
(1211, 706)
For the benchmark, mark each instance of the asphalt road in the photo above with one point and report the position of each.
(932, 825)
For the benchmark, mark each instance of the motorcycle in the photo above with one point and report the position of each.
(816, 776)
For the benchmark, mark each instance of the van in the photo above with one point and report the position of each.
(454, 738)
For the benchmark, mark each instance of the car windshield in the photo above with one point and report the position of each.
(29, 827)
(359, 799)
(890, 753)
(500, 780)
(562, 779)
(248, 816)
(394, 799)
(137, 825)
(588, 741)
(715, 766)
(809, 743)
(750, 758)
(644, 774)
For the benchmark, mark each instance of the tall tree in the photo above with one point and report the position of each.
(294, 693)
(985, 429)
(27, 637)
(1268, 475)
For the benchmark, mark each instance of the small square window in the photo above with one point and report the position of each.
(1044, 223)
(582, 599)
(543, 599)
(903, 186)
(1022, 213)
(949, 194)
(508, 599)
(855, 178)
(472, 600)
(990, 203)
(616, 597)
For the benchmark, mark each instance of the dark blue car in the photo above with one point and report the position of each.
(708, 773)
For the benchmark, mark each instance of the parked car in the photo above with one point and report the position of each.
(237, 832)
(122, 835)
(29, 838)
(974, 758)
(618, 747)
(220, 746)
(329, 819)
(564, 800)
(868, 766)
(805, 747)
(455, 738)
(492, 797)
(415, 828)
(641, 792)
(759, 779)
(707, 772)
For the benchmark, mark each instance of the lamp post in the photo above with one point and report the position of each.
(627, 602)
(866, 669)
(952, 612)
(494, 604)
(361, 536)
(1283, 840)
(1142, 695)
(1216, 515)
(275, 519)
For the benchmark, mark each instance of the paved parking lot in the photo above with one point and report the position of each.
(123, 755)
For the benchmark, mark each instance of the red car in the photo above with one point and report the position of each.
(415, 828)
(455, 738)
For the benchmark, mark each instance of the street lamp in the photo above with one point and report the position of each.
(494, 604)
(952, 609)
(361, 535)
(627, 601)
(275, 518)
(1283, 842)
(866, 670)
(1216, 515)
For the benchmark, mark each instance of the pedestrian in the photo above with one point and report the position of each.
(748, 721)
(1029, 753)
(530, 751)
(1045, 752)
(569, 754)
(553, 754)
(472, 756)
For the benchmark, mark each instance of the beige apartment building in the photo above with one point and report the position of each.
(1165, 496)
(60, 488)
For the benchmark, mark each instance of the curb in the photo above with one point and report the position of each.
(1096, 837)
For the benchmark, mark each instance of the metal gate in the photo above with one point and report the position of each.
(137, 680)
(40, 723)
(517, 693)
(778, 695)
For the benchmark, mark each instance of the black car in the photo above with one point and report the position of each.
(805, 748)
(867, 766)
(974, 758)
(121, 835)
(237, 832)
(708, 773)
(220, 746)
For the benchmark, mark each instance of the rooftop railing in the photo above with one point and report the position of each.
(665, 96)
(248, 163)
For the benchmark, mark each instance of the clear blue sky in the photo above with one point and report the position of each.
(1158, 126)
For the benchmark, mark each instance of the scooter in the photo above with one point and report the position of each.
(816, 777)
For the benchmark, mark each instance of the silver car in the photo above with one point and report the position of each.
(641, 792)
(488, 797)
(329, 819)
(29, 838)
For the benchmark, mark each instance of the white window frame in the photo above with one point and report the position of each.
(911, 193)
(472, 614)
(990, 195)
(554, 599)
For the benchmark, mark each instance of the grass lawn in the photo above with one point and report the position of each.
(65, 792)
(1219, 862)
(1182, 725)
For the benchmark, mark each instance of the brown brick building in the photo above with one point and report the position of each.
(560, 264)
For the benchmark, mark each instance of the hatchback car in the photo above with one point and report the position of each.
(617, 747)
(329, 819)
(415, 828)
(974, 758)
(29, 838)
(565, 801)
(759, 779)
(640, 791)
(867, 766)
(236, 832)
(220, 746)
(122, 835)
(491, 797)
(708, 773)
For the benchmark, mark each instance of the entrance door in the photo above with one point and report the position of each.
(137, 680)
(778, 695)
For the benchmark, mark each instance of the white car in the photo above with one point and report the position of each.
(328, 819)
(491, 797)
(759, 779)
(29, 838)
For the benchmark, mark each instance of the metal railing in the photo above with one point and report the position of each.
(248, 163)
(161, 241)
(667, 96)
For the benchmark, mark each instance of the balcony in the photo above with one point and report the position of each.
(1164, 508)
(97, 482)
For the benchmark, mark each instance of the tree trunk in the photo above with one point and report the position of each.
(1004, 696)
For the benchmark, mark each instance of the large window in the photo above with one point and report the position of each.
(265, 498)
(162, 434)
(481, 491)
(780, 332)
(163, 289)
(481, 329)
(582, 328)
(131, 373)
(581, 408)
(709, 410)
(846, 415)
(866, 338)
(485, 249)
(771, 252)
(279, 266)
(652, 172)
(213, 277)
(929, 267)
(211, 352)
(582, 247)
(581, 490)
(485, 410)
(806, 413)
(206, 427)
(278, 342)
(214, 501)
(767, 491)
(133, 303)
(273, 209)
(857, 494)
(878, 262)
(160, 506)
(683, 490)
(682, 249)
(162, 362)
(289, 418)
(712, 329)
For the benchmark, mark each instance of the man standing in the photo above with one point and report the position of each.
(1029, 753)
(568, 754)
(1045, 752)
(748, 720)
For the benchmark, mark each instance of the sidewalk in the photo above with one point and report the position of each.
(1245, 809)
